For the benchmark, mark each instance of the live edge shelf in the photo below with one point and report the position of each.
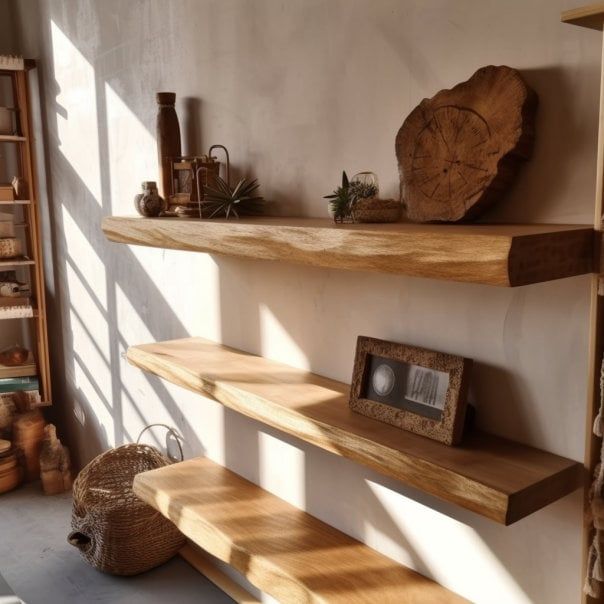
(505, 255)
(280, 549)
(500, 479)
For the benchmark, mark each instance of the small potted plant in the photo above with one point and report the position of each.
(356, 200)
(220, 199)
(340, 201)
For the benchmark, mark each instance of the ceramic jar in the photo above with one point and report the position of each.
(149, 203)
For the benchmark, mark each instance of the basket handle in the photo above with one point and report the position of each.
(170, 430)
(79, 540)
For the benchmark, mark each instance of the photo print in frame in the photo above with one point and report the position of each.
(415, 389)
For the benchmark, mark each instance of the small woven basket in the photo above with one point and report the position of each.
(113, 529)
(377, 210)
(10, 247)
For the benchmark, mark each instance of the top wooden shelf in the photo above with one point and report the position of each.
(497, 254)
(591, 16)
(9, 138)
(492, 476)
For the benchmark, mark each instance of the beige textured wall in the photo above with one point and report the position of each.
(298, 91)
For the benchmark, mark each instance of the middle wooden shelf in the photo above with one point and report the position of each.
(498, 478)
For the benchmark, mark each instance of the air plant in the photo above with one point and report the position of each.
(242, 200)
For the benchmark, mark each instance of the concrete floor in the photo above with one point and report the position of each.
(42, 568)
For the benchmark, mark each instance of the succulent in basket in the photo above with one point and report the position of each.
(362, 190)
(221, 199)
(344, 198)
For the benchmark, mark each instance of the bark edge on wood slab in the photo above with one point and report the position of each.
(459, 151)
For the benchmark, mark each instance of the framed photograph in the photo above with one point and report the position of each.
(415, 389)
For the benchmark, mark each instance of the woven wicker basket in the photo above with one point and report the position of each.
(10, 247)
(113, 529)
(377, 210)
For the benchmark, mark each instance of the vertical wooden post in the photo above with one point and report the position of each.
(27, 168)
(596, 321)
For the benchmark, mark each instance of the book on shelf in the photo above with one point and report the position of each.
(27, 369)
(15, 384)
(16, 312)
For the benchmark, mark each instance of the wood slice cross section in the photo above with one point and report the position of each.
(460, 150)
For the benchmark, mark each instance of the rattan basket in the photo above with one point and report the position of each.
(377, 210)
(113, 529)
(10, 247)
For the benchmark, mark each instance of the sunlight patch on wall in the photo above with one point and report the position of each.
(92, 393)
(478, 573)
(276, 341)
(132, 152)
(282, 469)
(96, 323)
(84, 257)
(131, 325)
(76, 111)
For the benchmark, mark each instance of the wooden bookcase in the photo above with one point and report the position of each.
(30, 224)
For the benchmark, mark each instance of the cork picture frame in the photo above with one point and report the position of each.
(415, 389)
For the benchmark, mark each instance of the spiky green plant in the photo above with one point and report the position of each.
(362, 190)
(241, 200)
(340, 200)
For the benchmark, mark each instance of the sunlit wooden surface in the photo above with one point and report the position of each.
(497, 478)
(505, 255)
(280, 549)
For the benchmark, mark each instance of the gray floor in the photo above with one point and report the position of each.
(42, 568)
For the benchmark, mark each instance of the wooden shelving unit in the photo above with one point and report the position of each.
(283, 551)
(500, 479)
(30, 222)
(505, 255)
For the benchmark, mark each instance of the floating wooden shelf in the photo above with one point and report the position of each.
(8, 138)
(16, 202)
(280, 549)
(507, 255)
(497, 478)
(591, 16)
(20, 261)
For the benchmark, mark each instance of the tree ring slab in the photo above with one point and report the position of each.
(459, 151)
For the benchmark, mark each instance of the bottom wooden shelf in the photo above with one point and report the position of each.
(280, 549)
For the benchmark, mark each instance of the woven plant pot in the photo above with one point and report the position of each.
(377, 210)
(113, 529)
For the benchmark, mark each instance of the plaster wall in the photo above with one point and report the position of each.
(298, 91)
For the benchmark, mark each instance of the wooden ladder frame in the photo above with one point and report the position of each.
(26, 163)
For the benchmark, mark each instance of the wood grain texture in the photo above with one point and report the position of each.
(504, 255)
(280, 549)
(591, 16)
(459, 151)
(497, 478)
